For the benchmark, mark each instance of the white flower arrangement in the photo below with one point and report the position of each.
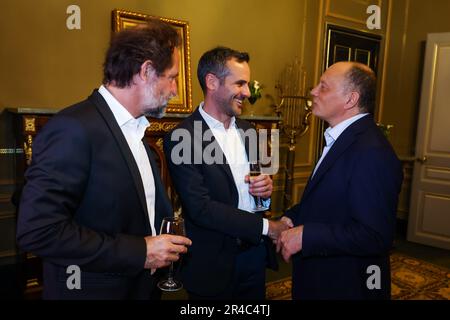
(255, 91)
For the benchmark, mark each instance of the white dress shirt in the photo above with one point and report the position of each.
(331, 135)
(230, 141)
(134, 130)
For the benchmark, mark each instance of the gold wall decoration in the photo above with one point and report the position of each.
(182, 102)
(28, 148)
(161, 126)
(295, 111)
(159, 143)
(30, 124)
(353, 11)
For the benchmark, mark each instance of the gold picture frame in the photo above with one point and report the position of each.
(182, 102)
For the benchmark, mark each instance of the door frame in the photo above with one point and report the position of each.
(423, 160)
(357, 33)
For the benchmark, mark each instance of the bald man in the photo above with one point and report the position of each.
(345, 221)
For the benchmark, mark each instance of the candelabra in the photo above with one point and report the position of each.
(294, 111)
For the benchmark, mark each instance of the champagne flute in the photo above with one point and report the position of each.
(172, 225)
(255, 170)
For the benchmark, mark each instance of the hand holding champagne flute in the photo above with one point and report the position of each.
(255, 170)
(172, 225)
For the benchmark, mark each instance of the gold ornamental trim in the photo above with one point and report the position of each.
(159, 144)
(161, 126)
(182, 102)
(28, 148)
(30, 124)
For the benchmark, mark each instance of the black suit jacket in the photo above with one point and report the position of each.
(210, 199)
(348, 210)
(84, 204)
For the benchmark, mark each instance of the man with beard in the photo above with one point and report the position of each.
(94, 198)
(231, 247)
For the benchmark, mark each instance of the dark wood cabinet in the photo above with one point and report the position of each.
(27, 124)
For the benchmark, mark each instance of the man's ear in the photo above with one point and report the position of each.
(212, 82)
(352, 100)
(144, 71)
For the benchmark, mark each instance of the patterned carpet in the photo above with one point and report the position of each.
(412, 279)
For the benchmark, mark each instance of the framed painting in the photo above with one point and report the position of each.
(182, 102)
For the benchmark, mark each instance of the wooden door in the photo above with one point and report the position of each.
(429, 217)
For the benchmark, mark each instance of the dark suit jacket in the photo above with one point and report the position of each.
(348, 211)
(210, 199)
(84, 204)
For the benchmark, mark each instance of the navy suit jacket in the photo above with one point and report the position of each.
(213, 222)
(348, 210)
(83, 204)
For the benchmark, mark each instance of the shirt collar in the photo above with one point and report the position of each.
(213, 123)
(332, 133)
(121, 114)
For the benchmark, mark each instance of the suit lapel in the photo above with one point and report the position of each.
(335, 152)
(111, 122)
(345, 140)
(162, 206)
(225, 167)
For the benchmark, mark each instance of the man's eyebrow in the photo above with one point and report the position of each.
(172, 75)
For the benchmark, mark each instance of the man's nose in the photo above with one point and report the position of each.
(246, 91)
(314, 91)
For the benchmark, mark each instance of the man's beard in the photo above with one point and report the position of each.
(226, 104)
(155, 106)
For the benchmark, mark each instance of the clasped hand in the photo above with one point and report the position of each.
(277, 227)
(290, 242)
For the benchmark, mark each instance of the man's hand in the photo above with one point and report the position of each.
(276, 227)
(290, 242)
(164, 249)
(260, 186)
